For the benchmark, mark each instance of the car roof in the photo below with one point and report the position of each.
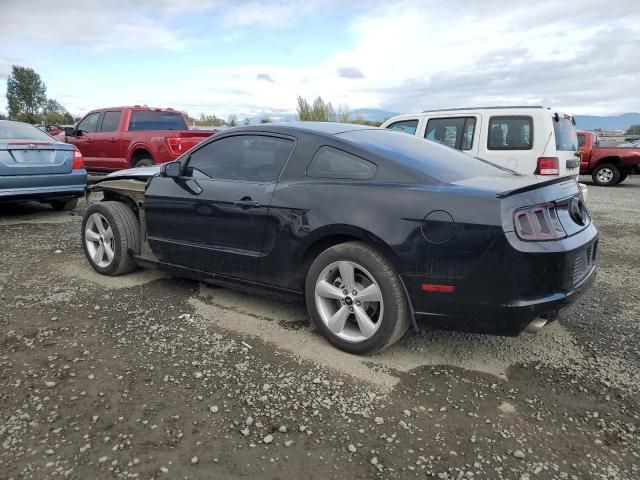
(325, 129)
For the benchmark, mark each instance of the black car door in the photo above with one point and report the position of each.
(212, 217)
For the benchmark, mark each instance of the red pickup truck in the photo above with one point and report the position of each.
(115, 138)
(606, 165)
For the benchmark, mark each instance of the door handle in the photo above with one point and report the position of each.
(246, 202)
(112, 140)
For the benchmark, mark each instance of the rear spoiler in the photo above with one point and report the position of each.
(534, 186)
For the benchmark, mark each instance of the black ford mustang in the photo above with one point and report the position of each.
(377, 229)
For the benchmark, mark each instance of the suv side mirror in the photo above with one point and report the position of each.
(171, 169)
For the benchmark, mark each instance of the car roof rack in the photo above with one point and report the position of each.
(482, 108)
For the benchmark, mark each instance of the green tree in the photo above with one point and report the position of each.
(246, 122)
(343, 115)
(26, 94)
(633, 130)
(232, 121)
(303, 109)
(265, 119)
(53, 113)
(3, 116)
(320, 111)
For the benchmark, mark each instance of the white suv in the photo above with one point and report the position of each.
(529, 140)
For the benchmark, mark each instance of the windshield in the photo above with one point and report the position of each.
(566, 137)
(156, 120)
(21, 131)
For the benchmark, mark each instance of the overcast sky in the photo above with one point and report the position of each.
(251, 57)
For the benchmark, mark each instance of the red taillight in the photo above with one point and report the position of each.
(433, 287)
(175, 146)
(548, 166)
(78, 162)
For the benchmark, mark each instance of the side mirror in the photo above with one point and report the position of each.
(171, 169)
(78, 132)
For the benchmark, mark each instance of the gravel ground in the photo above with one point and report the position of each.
(146, 376)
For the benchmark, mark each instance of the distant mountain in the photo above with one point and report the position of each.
(619, 122)
(371, 114)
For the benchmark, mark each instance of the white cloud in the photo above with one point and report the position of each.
(414, 55)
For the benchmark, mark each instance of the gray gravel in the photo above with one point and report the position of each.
(150, 377)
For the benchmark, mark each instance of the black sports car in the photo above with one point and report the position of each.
(377, 229)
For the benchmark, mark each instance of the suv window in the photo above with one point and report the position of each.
(329, 162)
(405, 126)
(249, 158)
(156, 120)
(111, 121)
(90, 123)
(455, 132)
(565, 132)
(510, 133)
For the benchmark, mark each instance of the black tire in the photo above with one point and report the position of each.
(622, 178)
(611, 178)
(143, 162)
(64, 205)
(395, 318)
(126, 236)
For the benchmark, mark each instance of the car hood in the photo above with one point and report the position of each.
(506, 185)
(139, 172)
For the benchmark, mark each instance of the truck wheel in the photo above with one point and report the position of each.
(64, 205)
(622, 178)
(143, 162)
(606, 175)
(355, 298)
(110, 234)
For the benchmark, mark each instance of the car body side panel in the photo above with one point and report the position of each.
(303, 213)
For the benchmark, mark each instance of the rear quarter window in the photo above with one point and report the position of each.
(510, 133)
(329, 162)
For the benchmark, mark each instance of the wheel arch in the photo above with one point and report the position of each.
(138, 152)
(613, 160)
(332, 235)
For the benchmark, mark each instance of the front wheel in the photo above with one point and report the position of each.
(110, 232)
(623, 177)
(356, 299)
(606, 175)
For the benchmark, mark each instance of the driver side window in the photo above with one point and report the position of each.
(249, 158)
(90, 123)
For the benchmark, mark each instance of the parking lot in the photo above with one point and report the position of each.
(145, 376)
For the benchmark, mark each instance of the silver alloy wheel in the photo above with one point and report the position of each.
(605, 175)
(349, 301)
(98, 238)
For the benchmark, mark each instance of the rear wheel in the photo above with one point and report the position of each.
(64, 205)
(110, 231)
(606, 175)
(355, 298)
(143, 162)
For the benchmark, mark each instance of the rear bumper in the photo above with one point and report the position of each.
(508, 288)
(28, 187)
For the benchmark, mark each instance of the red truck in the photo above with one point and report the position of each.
(606, 165)
(115, 138)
